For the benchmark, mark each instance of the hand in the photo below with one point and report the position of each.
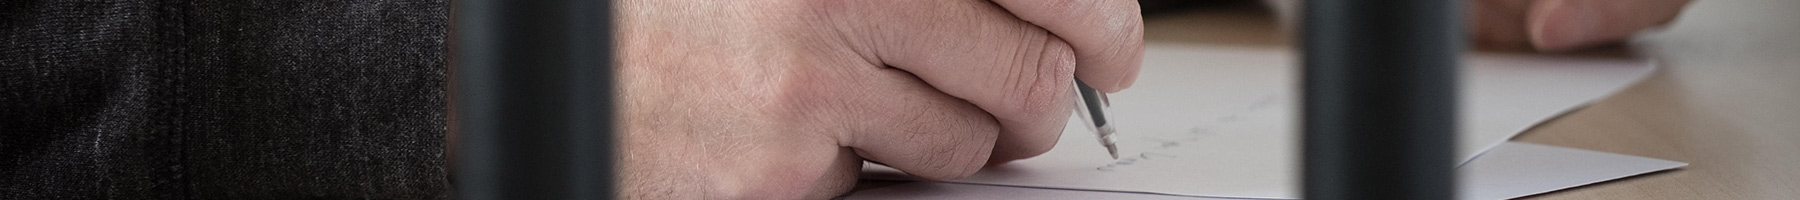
(785, 98)
(1560, 25)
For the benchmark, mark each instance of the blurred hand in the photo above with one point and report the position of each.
(784, 99)
(1560, 25)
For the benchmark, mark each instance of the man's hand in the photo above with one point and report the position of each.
(785, 98)
(1560, 25)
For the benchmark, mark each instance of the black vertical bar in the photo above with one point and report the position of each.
(535, 99)
(1380, 98)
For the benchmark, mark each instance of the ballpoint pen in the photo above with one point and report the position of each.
(1092, 109)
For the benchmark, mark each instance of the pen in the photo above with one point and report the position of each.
(1093, 112)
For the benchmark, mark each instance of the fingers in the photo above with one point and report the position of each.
(1556, 25)
(1499, 24)
(976, 51)
(1107, 36)
(906, 124)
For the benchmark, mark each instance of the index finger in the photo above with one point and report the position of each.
(1557, 25)
(1107, 35)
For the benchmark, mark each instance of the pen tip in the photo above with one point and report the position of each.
(1114, 151)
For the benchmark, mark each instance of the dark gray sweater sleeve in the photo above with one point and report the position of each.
(225, 99)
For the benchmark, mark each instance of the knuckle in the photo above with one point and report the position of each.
(1041, 89)
(954, 146)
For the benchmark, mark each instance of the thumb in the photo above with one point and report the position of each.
(1558, 25)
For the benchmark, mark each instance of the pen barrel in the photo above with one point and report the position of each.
(1092, 104)
(1379, 90)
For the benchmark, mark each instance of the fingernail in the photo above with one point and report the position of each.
(1562, 25)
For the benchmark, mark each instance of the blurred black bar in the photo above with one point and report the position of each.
(534, 99)
(1380, 98)
(1159, 7)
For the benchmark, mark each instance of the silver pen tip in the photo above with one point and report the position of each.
(1107, 140)
(1113, 150)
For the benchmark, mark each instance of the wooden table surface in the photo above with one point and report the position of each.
(1727, 99)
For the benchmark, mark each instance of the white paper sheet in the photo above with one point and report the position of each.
(1510, 170)
(1219, 122)
(1516, 169)
(956, 191)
